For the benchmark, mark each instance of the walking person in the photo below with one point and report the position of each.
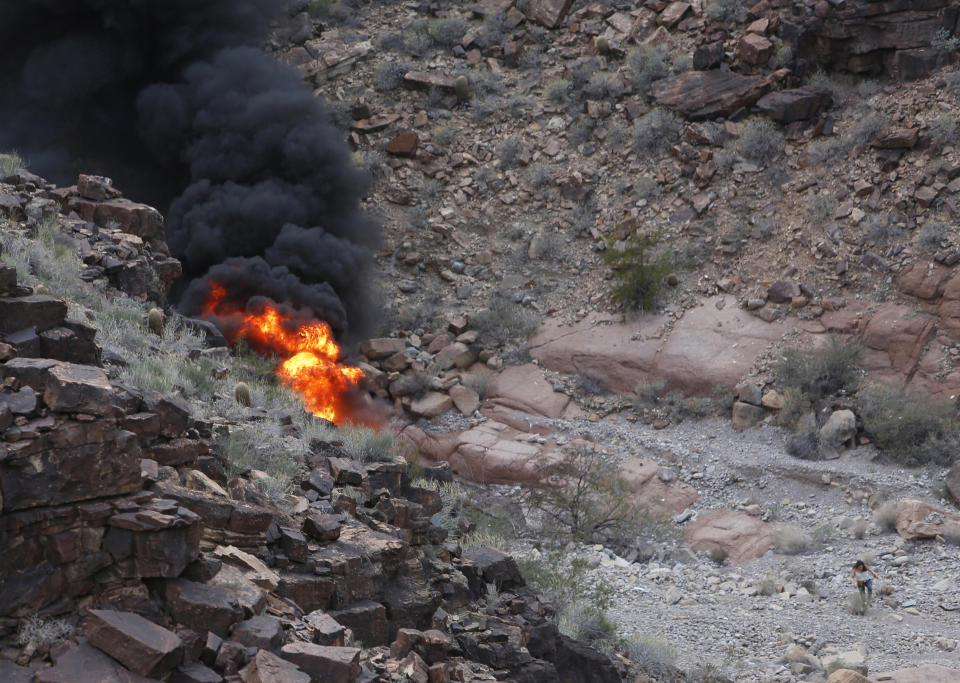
(861, 576)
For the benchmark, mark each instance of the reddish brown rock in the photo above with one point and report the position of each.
(916, 520)
(326, 629)
(708, 94)
(96, 187)
(923, 280)
(403, 145)
(328, 664)
(78, 389)
(381, 348)
(202, 607)
(465, 399)
(496, 567)
(673, 13)
(422, 80)
(267, 667)
(86, 664)
(547, 12)
(523, 387)
(902, 333)
(37, 310)
(432, 404)
(754, 49)
(138, 644)
(740, 536)
(262, 631)
(926, 673)
(798, 104)
(659, 497)
(322, 527)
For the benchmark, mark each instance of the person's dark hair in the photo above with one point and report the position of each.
(858, 564)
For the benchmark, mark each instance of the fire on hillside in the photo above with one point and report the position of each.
(308, 357)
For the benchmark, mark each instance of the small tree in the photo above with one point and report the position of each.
(586, 498)
(639, 270)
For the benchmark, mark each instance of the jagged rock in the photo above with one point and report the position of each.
(797, 104)
(916, 520)
(266, 667)
(421, 80)
(547, 12)
(375, 349)
(754, 49)
(746, 415)
(782, 291)
(37, 310)
(138, 644)
(708, 56)
(261, 631)
(925, 673)
(196, 673)
(8, 278)
(465, 399)
(253, 567)
(403, 145)
(847, 676)
(648, 487)
(96, 187)
(326, 629)
(202, 607)
(367, 619)
(21, 402)
(86, 664)
(840, 428)
(329, 664)
(322, 527)
(708, 94)
(896, 138)
(432, 404)
(497, 567)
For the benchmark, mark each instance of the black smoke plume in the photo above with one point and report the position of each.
(177, 102)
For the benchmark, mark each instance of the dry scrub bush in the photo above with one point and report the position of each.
(790, 540)
(856, 603)
(767, 584)
(909, 428)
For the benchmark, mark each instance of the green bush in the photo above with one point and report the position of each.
(822, 372)
(10, 163)
(638, 270)
(909, 428)
(503, 320)
(367, 445)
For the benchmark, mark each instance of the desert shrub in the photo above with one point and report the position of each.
(654, 657)
(655, 131)
(447, 31)
(444, 136)
(648, 64)
(943, 130)
(617, 135)
(509, 151)
(821, 80)
(707, 672)
(790, 540)
(646, 187)
(582, 71)
(821, 372)
(431, 188)
(540, 174)
(648, 395)
(867, 88)
(681, 63)
(823, 533)
(332, 12)
(367, 445)
(10, 163)
(804, 443)
(598, 87)
(592, 385)
(391, 41)
(945, 40)
(589, 624)
(417, 218)
(586, 499)
(532, 58)
(389, 75)
(483, 108)
(503, 320)
(638, 270)
(952, 83)
(855, 604)
(726, 11)
(493, 31)
(868, 125)
(418, 42)
(40, 633)
(582, 218)
(820, 207)
(885, 516)
(909, 428)
(515, 104)
(718, 555)
(880, 229)
(761, 141)
(859, 528)
(264, 448)
(558, 91)
(931, 235)
(783, 57)
(767, 585)
(581, 130)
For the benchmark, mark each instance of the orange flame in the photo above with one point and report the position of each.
(309, 357)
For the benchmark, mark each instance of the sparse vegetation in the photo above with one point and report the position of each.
(648, 64)
(558, 91)
(365, 444)
(856, 604)
(909, 428)
(655, 131)
(767, 584)
(639, 271)
(821, 372)
(943, 130)
(761, 141)
(447, 31)
(10, 163)
(41, 633)
(820, 207)
(503, 320)
(389, 74)
(509, 151)
(790, 540)
(885, 516)
(539, 175)
(726, 11)
(931, 235)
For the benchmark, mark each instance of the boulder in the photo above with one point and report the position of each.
(708, 94)
(839, 428)
(138, 644)
(524, 388)
(38, 311)
(847, 676)
(433, 404)
(322, 527)
(547, 12)
(266, 667)
(658, 497)
(375, 349)
(87, 664)
(787, 106)
(202, 607)
(782, 292)
(195, 673)
(465, 399)
(746, 415)
(926, 673)
(326, 629)
(366, 618)
(78, 389)
(264, 632)
(496, 567)
(917, 520)
(739, 535)
(754, 48)
(324, 663)
(403, 145)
